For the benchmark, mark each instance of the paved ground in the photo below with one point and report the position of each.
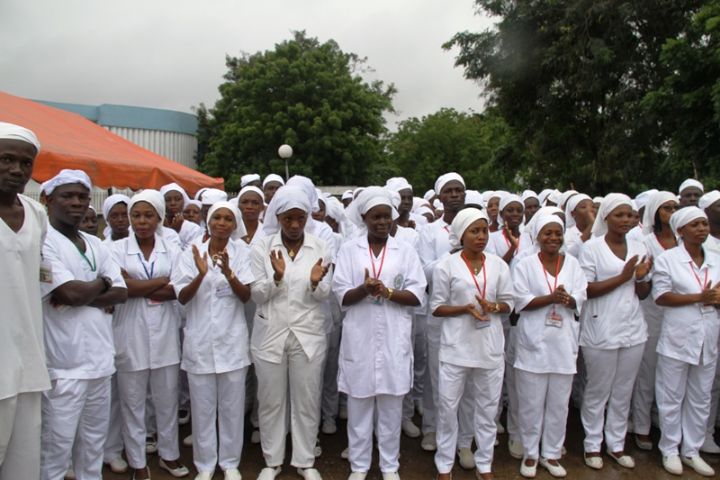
(416, 464)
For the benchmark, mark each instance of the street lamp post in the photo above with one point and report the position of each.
(285, 152)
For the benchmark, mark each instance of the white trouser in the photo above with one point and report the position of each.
(114, 442)
(133, 387)
(303, 378)
(644, 391)
(217, 399)
(715, 400)
(20, 436)
(330, 395)
(512, 421)
(488, 388)
(542, 412)
(682, 391)
(610, 379)
(419, 365)
(75, 417)
(385, 411)
(579, 381)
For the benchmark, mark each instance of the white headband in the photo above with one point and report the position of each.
(461, 222)
(684, 216)
(10, 131)
(444, 179)
(240, 230)
(609, 203)
(66, 177)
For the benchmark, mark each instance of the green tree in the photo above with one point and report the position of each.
(570, 77)
(307, 94)
(481, 147)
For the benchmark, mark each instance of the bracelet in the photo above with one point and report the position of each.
(390, 292)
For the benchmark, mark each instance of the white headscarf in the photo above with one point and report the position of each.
(437, 204)
(708, 199)
(66, 177)
(395, 184)
(544, 195)
(347, 195)
(286, 198)
(174, 187)
(545, 220)
(200, 192)
(690, 182)
(249, 178)
(429, 194)
(369, 198)
(213, 195)
(10, 131)
(240, 231)
(571, 205)
(654, 202)
(529, 194)
(641, 200)
(443, 180)
(197, 203)
(251, 188)
(508, 199)
(307, 186)
(473, 197)
(273, 177)
(155, 199)
(113, 200)
(562, 201)
(542, 212)
(609, 203)
(684, 216)
(461, 222)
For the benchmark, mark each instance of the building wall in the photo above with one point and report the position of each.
(179, 147)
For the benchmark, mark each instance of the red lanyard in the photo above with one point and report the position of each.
(376, 274)
(446, 229)
(703, 285)
(557, 272)
(472, 274)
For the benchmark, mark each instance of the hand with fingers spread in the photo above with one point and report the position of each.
(278, 264)
(629, 269)
(318, 272)
(200, 262)
(224, 262)
(643, 268)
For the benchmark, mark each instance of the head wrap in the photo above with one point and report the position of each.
(285, 199)
(654, 201)
(542, 212)
(708, 199)
(395, 184)
(369, 198)
(508, 199)
(113, 200)
(562, 200)
(571, 205)
(395, 197)
(429, 194)
(357, 191)
(249, 178)
(66, 177)
(634, 206)
(196, 203)
(684, 216)
(444, 179)
(333, 208)
(306, 185)
(598, 199)
(642, 198)
(425, 210)
(529, 194)
(239, 224)
(347, 195)
(437, 204)
(544, 195)
(273, 177)
(174, 187)
(473, 197)
(690, 182)
(156, 200)
(610, 203)
(251, 188)
(554, 197)
(461, 222)
(199, 194)
(10, 131)
(213, 195)
(545, 220)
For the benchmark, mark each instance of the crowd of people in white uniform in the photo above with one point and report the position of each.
(298, 308)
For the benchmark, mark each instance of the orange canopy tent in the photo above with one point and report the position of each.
(70, 140)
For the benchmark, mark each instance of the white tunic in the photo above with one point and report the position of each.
(613, 320)
(691, 331)
(461, 343)
(292, 305)
(712, 244)
(146, 333)
(189, 233)
(652, 312)
(543, 348)
(573, 241)
(22, 353)
(376, 350)
(498, 244)
(216, 335)
(78, 340)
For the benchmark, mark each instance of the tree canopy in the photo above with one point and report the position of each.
(307, 94)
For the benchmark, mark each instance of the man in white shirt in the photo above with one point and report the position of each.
(23, 375)
(82, 282)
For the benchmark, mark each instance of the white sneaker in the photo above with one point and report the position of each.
(342, 412)
(309, 473)
(528, 471)
(556, 471)
(699, 465)
(117, 465)
(623, 460)
(410, 429)
(255, 437)
(183, 417)
(345, 454)
(429, 443)
(357, 476)
(329, 427)
(204, 476)
(150, 445)
(594, 462)
(467, 460)
(232, 474)
(268, 473)
(177, 472)
(672, 464)
(709, 446)
(187, 441)
(391, 476)
(500, 428)
(516, 449)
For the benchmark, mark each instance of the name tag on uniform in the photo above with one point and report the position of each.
(707, 309)
(224, 291)
(153, 303)
(553, 319)
(480, 324)
(45, 272)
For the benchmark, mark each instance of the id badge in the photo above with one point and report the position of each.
(553, 319)
(224, 291)
(707, 309)
(153, 303)
(480, 324)
(45, 272)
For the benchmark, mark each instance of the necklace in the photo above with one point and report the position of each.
(292, 250)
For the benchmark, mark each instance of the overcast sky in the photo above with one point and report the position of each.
(171, 53)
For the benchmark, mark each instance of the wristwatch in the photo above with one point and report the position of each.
(108, 283)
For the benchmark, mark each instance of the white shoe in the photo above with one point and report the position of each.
(70, 474)
(342, 412)
(232, 474)
(187, 441)
(429, 443)
(556, 471)
(645, 444)
(391, 476)
(623, 460)
(595, 462)
(467, 460)
(672, 464)
(329, 427)
(117, 465)
(309, 473)
(204, 476)
(563, 451)
(345, 454)
(699, 465)
(500, 428)
(183, 417)
(709, 446)
(268, 473)
(528, 471)
(177, 472)
(357, 476)
(150, 445)
(410, 429)
(516, 449)
(317, 451)
(255, 437)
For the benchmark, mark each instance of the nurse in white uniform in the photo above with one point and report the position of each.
(687, 283)
(612, 329)
(213, 281)
(377, 281)
(550, 290)
(470, 291)
(146, 334)
(288, 342)
(175, 201)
